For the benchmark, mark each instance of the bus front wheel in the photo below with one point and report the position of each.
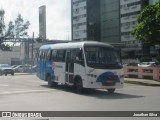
(79, 86)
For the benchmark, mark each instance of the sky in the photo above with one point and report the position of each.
(58, 16)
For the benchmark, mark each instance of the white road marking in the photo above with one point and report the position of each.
(36, 81)
(3, 85)
(20, 92)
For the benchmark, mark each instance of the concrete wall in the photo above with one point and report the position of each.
(5, 57)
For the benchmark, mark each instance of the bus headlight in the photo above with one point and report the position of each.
(92, 75)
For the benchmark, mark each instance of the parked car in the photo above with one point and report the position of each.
(6, 69)
(34, 68)
(132, 64)
(13, 66)
(19, 68)
(148, 64)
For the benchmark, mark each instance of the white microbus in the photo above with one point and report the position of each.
(82, 65)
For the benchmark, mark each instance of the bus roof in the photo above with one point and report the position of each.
(74, 45)
(44, 47)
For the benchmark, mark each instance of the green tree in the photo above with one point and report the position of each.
(21, 27)
(14, 32)
(148, 26)
(39, 39)
(2, 26)
(5, 47)
(9, 33)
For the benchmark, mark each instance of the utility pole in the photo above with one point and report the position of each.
(32, 52)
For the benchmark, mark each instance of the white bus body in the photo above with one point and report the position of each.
(84, 65)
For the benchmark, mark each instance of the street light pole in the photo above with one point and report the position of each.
(32, 52)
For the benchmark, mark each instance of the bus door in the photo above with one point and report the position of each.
(40, 65)
(69, 68)
(59, 66)
(43, 64)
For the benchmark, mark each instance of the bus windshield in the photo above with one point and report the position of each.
(102, 57)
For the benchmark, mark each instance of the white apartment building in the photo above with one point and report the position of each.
(129, 10)
(153, 1)
(79, 20)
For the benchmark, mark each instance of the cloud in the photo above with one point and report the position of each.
(58, 16)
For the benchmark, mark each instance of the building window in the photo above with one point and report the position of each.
(129, 14)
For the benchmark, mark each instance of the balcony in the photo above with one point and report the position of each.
(133, 7)
(127, 36)
(127, 27)
(126, 8)
(126, 18)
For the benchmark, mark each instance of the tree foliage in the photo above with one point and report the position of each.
(21, 27)
(5, 47)
(148, 26)
(39, 39)
(2, 25)
(14, 31)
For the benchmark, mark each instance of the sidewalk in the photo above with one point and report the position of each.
(145, 82)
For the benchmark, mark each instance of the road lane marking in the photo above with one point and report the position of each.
(26, 91)
(4, 85)
(36, 81)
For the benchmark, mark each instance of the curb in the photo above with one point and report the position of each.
(141, 83)
(24, 73)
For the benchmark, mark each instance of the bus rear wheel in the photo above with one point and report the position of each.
(111, 91)
(50, 83)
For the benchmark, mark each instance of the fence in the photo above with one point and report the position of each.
(142, 72)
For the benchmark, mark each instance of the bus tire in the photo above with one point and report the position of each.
(111, 91)
(50, 83)
(79, 86)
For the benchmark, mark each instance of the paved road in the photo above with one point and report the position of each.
(28, 93)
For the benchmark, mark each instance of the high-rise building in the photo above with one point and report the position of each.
(2, 25)
(96, 20)
(110, 21)
(153, 1)
(129, 10)
(42, 22)
(85, 20)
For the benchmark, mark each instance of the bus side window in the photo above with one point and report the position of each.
(40, 55)
(60, 56)
(79, 57)
(73, 54)
(48, 55)
(45, 56)
(53, 56)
